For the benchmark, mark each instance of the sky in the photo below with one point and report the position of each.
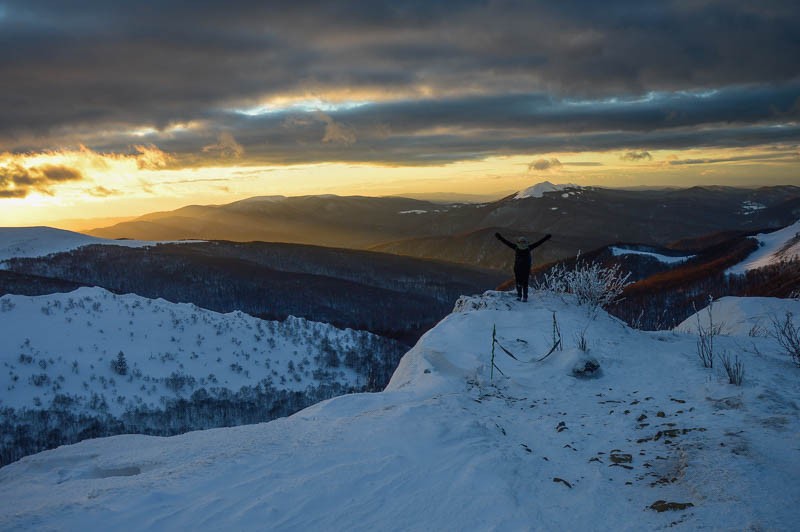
(114, 109)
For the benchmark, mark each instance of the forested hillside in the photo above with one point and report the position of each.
(389, 295)
(113, 364)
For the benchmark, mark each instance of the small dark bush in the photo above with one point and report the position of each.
(119, 365)
(39, 380)
(733, 368)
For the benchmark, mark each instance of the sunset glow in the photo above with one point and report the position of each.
(467, 97)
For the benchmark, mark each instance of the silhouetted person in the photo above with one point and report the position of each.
(522, 261)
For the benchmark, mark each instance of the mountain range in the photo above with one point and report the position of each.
(580, 219)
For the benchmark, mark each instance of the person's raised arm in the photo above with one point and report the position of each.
(542, 241)
(504, 241)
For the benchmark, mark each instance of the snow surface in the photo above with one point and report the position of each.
(780, 245)
(87, 328)
(666, 259)
(420, 211)
(27, 242)
(446, 448)
(538, 190)
(742, 316)
(751, 207)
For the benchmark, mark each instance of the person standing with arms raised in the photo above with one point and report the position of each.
(522, 261)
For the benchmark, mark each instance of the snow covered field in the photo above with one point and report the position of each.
(666, 259)
(446, 448)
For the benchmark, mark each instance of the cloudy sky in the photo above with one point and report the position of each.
(120, 108)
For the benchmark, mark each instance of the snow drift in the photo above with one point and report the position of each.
(742, 316)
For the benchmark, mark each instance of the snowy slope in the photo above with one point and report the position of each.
(774, 247)
(742, 316)
(186, 368)
(23, 242)
(444, 448)
(538, 190)
(87, 328)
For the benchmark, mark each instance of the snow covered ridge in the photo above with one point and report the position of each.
(538, 190)
(446, 448)
(781, 245)
(666, 259)
(127, 359)
(27, 242)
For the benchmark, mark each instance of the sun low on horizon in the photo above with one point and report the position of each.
(112, 110)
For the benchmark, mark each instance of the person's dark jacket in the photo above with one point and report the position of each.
(522, 259)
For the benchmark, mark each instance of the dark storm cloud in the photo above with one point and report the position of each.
(433, 149)
(17, 181)
(637, 156)
(787, 156)
(504, 75)
(544, 164)
(437, 131)
(582, 163)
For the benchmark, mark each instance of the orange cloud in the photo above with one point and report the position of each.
(226, 147)
(17, 181)
(151, 158)
(102, 192)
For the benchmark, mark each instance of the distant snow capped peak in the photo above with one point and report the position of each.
(538, 190)
(262, 199)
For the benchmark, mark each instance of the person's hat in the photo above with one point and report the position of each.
(522, 240)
